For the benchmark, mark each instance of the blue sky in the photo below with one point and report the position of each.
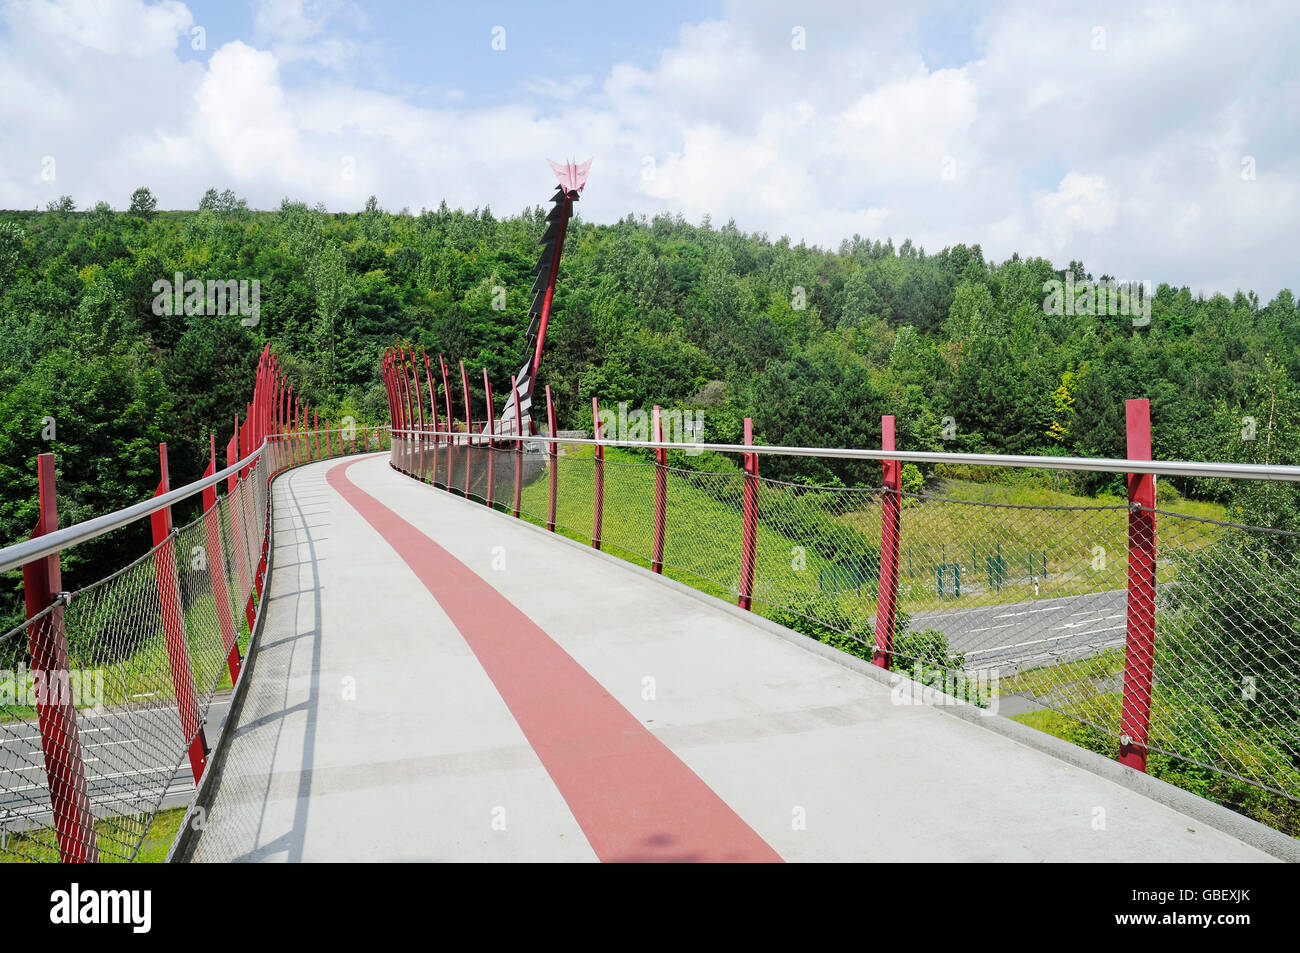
(422, 47)
(1151, 139)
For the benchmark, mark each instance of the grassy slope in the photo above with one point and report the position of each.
(702, 541)
(41, 849)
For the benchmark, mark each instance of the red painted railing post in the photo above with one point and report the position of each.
(661, 494)
(553, 480)
(1140, 642)
(397, 444)
(749, 530)
(519, 452)
(491, 431)
(178, 649)
(56, 713)
(281, 415)
(275, 424)
(415, 408)
(433, 408)
(237, 517)
(217, 566)
(887, 600)
(422, 438)
(253, 420)
(403, 412)
(289, 450)
(315, 423)
(232, 452)
(263, 400)
(282, 459)
(397, 417)
(292, 426)
(394, 417)
(598, 503)
(469, 427)
(451, 440)
(419, 403)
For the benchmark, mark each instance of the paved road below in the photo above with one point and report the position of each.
(1031, 633)
(127, 763)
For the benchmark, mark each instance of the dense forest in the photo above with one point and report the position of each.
(814, 344)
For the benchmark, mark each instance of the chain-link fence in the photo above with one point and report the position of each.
(106, 696)
(1016, 605)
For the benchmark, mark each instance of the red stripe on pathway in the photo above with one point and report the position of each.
(633, 798)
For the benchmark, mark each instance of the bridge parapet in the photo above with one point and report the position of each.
(1187, 650)
(105, 690)
(1037, 601)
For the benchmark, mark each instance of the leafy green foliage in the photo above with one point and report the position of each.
(813, 344)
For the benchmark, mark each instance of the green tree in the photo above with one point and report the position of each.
(143, 203)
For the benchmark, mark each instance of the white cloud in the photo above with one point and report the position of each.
(1128, 157)
(308, 30)
(118, 27)
(566, 90)
(914, 121)
(1082, 203)
(243, 117)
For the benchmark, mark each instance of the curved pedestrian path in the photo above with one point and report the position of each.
(438, 681)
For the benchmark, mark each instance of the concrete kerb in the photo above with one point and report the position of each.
(1214, 815)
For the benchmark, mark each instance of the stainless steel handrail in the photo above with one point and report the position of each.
(1249, 471)
(19, 554)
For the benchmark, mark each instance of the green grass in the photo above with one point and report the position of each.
(1039, 682)
(147, 670)
(1084, 551)
(702, 539)
(1274, 810)
(40, 846)
(802, 537)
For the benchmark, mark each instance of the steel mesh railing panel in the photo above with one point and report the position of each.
(1227, 650)
(701, 526)
(628, 521)
(204, 626)
(575, 486)
(116, 627)
(815, 555)
(133, 728)
(1014, 586)
(1032, 598)
(26, 829)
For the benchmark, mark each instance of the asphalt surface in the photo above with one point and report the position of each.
(1025, 634)
(129, 762)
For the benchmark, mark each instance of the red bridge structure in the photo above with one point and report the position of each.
(458, 634)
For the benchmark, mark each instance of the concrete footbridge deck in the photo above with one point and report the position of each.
(435, 680)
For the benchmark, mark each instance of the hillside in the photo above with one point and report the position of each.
(814, 344)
